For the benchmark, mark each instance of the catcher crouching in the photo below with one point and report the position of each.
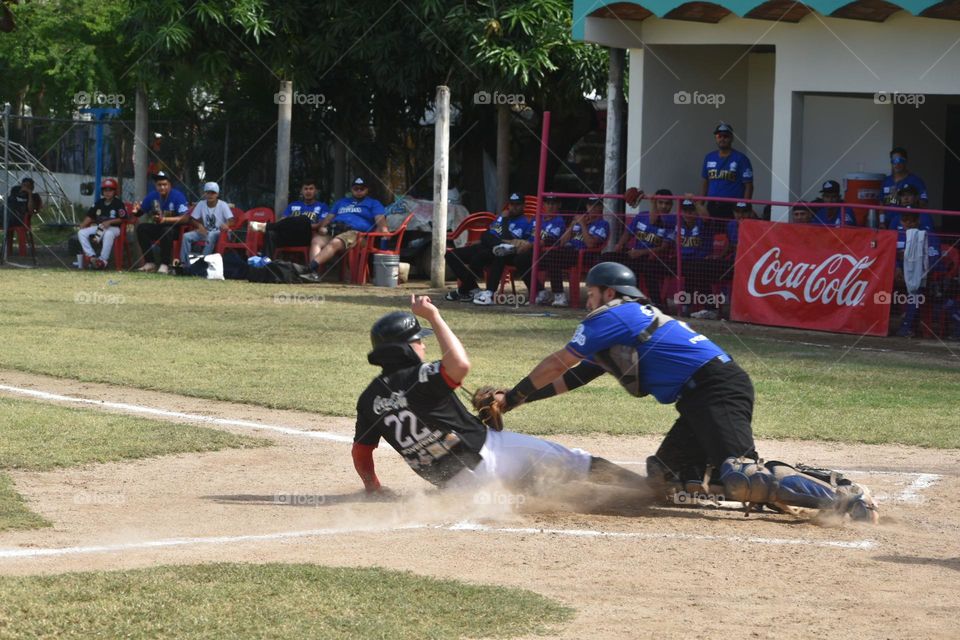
(710, 448)
(412, 405)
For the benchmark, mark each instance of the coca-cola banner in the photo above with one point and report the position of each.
(814, 277)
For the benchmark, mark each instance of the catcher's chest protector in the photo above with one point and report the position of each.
(622, 360)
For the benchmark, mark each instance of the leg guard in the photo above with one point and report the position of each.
(782, 486)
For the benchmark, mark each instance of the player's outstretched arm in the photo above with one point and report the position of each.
(455, 362)
(550, 369)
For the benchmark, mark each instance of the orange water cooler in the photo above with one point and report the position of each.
(863, 188)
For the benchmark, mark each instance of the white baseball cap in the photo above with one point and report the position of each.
(211, 186)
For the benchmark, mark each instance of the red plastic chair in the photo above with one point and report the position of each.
(231, 239)
(359, 256)
(473, 225)
(255, 238)
(529, 206)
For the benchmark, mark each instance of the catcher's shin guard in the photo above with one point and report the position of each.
(783, 486)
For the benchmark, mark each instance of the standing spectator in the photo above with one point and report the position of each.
(209, 219)
(22, 204)
(830, 192)
(899, 176)
(297, 224)
(908, 197)
(168, 207)
(918, 253)
(726, 173)
(515, 249)
(340, 229)
(469, 262)
(102, 222)
(643, 247)
(587, 231)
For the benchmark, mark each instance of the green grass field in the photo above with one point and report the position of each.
(40, 437)
(304, 347)
(266, 601)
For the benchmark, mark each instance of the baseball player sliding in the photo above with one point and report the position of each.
(412, 405)
(710, 447)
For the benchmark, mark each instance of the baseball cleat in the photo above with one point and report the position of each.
(483, 298)
(560, 300)
(544, 297)
(505, 249)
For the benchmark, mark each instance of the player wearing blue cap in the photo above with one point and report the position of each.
(726, 173)
(649, 352)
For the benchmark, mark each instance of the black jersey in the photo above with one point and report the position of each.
(416, 410)
(104, 210)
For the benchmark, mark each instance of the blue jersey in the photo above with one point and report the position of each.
(175, 204)
(693, 240)
(516, 228)
(598, 229)
(727, 177)
(828, 216)
(315, 211)
(552, 229)
(891, 186)
(665, 362)
(645, 234)
(359, 215)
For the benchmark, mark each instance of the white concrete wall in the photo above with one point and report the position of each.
(842, 135)
(759, 138)
(676, 135)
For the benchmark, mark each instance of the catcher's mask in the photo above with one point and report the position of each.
(397, 327)
(614, 275)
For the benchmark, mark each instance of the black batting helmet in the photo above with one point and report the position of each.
(614, 275)
(397, 327)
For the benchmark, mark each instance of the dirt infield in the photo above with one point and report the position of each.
(630, 572)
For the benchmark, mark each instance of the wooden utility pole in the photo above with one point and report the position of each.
(612, 166)
(441, 170)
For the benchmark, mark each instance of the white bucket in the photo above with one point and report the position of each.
(386, 270)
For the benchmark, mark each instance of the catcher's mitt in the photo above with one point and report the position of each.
(488, 409)
(632, 196)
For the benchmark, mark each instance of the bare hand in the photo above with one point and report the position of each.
(423, 307)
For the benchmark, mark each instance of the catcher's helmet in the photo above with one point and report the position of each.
(614, 275)
(397, 326)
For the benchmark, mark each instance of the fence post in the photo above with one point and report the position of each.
(441, 153)
(284, 116)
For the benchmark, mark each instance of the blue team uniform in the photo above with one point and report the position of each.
(359, 215)
(733, 232)
(890, 187)
(175, 204)
(666, 361)
(552, 229)
(517, 228)
(727, 177)
(644, 234)
(693, 241)
(893, 220)
(828, 216)
(315, 212)
(598, 229)
(933, 248)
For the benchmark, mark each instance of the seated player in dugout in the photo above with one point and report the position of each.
(645, 246)
(587, 232)
(710, 448)
(412, 404)
(296, 225)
